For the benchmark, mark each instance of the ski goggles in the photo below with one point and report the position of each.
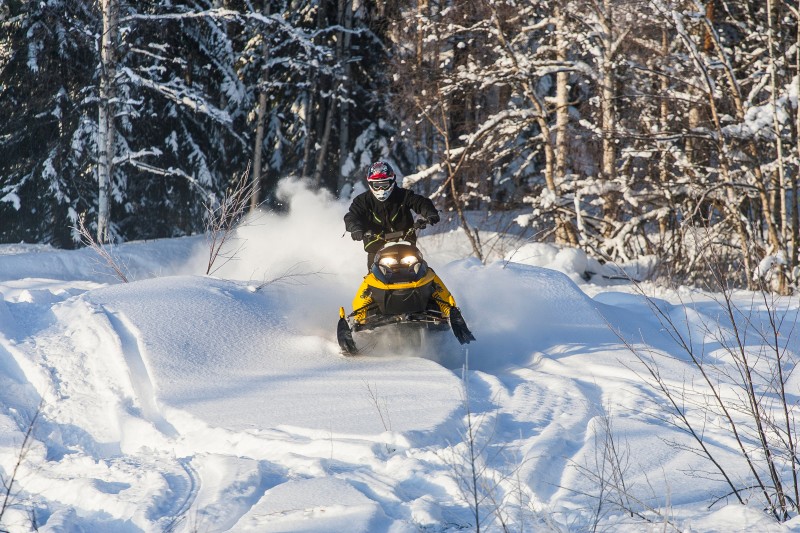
(381, 185)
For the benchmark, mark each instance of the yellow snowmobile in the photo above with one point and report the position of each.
(401, 290)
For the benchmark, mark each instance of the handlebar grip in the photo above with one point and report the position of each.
(394, 235)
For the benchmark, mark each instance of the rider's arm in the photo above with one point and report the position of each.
(422, 205)
(356, 216)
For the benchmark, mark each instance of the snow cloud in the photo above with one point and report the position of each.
(308, 237)
(304, 247)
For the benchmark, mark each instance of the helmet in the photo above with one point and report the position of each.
(381, 180)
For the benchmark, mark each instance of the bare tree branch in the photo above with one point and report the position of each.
(88, 240)
(9, 481)
(223, 219)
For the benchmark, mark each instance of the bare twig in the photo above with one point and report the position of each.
(479, 484)
(292, 276)
(88, 240)
(747, 393)
(24, 448)
(223, 219)
(380, 405)
(608, 473)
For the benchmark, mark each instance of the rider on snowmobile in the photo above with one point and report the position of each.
(400, 289)
(385, 208)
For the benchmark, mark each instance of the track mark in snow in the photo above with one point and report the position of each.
(140, 376)
(229, 488)
(182, 489)
(546, 413)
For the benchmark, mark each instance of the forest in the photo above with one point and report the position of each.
(626, 128)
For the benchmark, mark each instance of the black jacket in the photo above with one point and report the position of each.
(367, 213)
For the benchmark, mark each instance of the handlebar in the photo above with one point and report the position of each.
(419, 224)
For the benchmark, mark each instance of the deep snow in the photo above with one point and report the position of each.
(185, 402)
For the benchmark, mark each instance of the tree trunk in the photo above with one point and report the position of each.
(608, 115)
(322, 154)
(346, 20)
(663, 120)
(106, 132)
(311, 106)
(565, 232)
(781, 178)
(424, 130)
(310, 137)
(793, 259)
(262, 111)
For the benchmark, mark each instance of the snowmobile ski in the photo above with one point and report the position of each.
(344, 335)
(459, 326)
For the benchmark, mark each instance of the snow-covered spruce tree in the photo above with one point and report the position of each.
(281, 71)
(363, 126)
(285, 75)
(436, 111)
(182, 136)
(295, 84)
(50, 92)
(357, 110)
(180, 109)
(47, 135)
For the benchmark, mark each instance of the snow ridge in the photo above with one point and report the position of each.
(189, 403)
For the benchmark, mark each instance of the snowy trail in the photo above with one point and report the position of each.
(400, 418)
(190, 403)
(95, 357)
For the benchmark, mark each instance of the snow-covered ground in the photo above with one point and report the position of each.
(184, 402)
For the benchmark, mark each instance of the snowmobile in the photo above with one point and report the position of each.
(402, 291)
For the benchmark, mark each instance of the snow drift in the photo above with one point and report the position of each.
(183, 402)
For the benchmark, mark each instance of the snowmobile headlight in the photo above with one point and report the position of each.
(387, 261)
(409, 260)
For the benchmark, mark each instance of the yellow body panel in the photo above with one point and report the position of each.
(363, 298)
(372, 281)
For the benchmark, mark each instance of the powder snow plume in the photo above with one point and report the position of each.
(308, 237)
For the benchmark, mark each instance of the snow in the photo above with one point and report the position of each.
(185, 402)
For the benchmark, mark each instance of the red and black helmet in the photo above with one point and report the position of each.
(380, 170)
(381, 179)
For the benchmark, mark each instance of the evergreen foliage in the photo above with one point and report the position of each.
(618, 126)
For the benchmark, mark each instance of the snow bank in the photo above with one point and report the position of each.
(183, 402)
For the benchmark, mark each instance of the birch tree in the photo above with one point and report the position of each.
(106, 130)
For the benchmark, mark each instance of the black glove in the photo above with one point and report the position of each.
(433, 219)
(357, 235)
